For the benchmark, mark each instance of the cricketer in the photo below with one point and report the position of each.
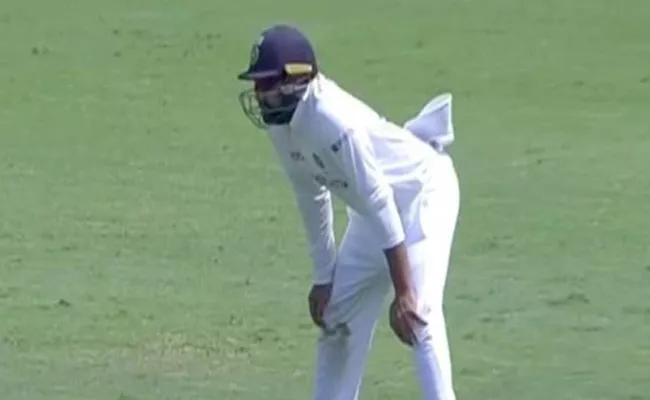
(402, 195)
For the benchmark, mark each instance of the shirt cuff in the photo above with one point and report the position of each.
(390, 227)
(323, 274)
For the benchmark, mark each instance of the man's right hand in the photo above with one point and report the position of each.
(319, 297)
(404, 319)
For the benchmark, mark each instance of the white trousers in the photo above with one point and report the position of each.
(361, 284)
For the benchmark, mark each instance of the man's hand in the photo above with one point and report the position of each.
(403, 310)
(404, 319)
(319, 297)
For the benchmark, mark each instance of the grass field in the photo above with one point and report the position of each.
(149, 247)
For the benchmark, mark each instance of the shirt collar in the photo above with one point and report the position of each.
(306, 101)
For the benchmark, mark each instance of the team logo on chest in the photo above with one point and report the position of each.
(336, 146)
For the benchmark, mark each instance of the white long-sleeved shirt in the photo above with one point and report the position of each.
(337, 144)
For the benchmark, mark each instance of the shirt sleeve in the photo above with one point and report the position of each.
(315, 205)
(356, 159)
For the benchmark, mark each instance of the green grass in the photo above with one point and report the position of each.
(149, 247)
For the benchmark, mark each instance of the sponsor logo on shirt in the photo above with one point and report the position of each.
(318, 161)
(296, 156)
(331, 183)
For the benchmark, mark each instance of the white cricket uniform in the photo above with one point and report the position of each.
(397, 188)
